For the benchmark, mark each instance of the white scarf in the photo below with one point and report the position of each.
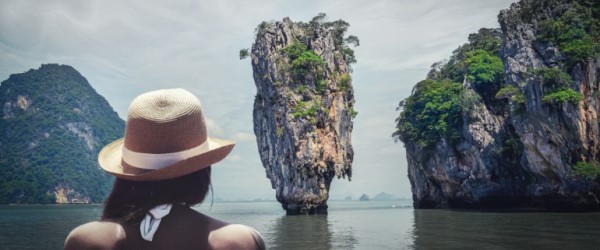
(151, 222)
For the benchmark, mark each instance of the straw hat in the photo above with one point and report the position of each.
(165, 137)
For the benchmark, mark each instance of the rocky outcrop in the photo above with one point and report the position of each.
(524, 157)
(53, 124)
(66, 195)
(303, 109)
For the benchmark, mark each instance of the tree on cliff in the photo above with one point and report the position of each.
(434, 109)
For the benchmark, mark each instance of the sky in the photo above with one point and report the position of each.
(125, 48)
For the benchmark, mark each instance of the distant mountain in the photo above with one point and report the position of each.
(52, 125)
(384, 196)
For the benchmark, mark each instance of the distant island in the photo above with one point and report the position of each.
(510, 120)
(53, 124)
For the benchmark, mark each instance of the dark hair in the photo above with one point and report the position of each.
(129, 201)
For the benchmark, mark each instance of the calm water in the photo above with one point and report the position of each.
(349, 225)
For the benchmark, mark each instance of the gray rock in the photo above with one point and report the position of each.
(523, 158)
(301, 153)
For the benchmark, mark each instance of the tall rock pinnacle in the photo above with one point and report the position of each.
(303, 108)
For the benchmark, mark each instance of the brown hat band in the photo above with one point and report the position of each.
(158, 161)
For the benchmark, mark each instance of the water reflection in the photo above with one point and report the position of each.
(309, 232)
(435, 229)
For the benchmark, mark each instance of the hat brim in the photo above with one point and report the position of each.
(110, 159)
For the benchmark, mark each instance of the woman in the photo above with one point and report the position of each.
(163, 168)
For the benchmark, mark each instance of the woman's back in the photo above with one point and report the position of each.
(183, 228)
(162, 167)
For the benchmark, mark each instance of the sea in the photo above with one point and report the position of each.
(391, 224)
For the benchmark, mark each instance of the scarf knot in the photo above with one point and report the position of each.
(151, 222)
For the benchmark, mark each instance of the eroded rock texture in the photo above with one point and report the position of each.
(302, 111)
(523, 157)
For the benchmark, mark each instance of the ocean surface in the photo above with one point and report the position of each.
(349, 225)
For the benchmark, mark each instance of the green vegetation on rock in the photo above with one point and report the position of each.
(308, 62)
(557, 84)
(302, 109)
(430, 113)
(353, 113)
(485, 70)
(305, 64)
(511, 93)
(434, 109)
(563, 95)
(589, 170)
(456, 67)
(344, 82)
(576, 32)
(52, 126)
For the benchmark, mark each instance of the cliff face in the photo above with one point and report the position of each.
(532, 142)
(52, 125)
(303, 110)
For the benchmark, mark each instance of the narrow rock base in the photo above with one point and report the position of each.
(300, 210)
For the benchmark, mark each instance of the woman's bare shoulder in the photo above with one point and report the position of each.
(96, 235)
(235, 236)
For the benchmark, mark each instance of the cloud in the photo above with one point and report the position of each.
(125, 48)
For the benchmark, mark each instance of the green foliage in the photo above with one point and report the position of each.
(321, 86)
(557, 84)
(318, 19)
(562, 96)
(279, 131)
(344, 82)
(430, 113)
(304, 63)
(468, 101)
(487, 40)
(552, 77)
(261, 26)
(576, 32)
(352, 40)
(348, 55)
(308, 62)
(483, 67)
(511, 93)
(353, 113)
(590, 170)
(338, 29)
(479, 62)
(434, 109)
(455, 68)
(38, 148)
(302, 110)
(244, 54)
(301, 89)
(306, 66)
(485, 71)
(294, 50)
